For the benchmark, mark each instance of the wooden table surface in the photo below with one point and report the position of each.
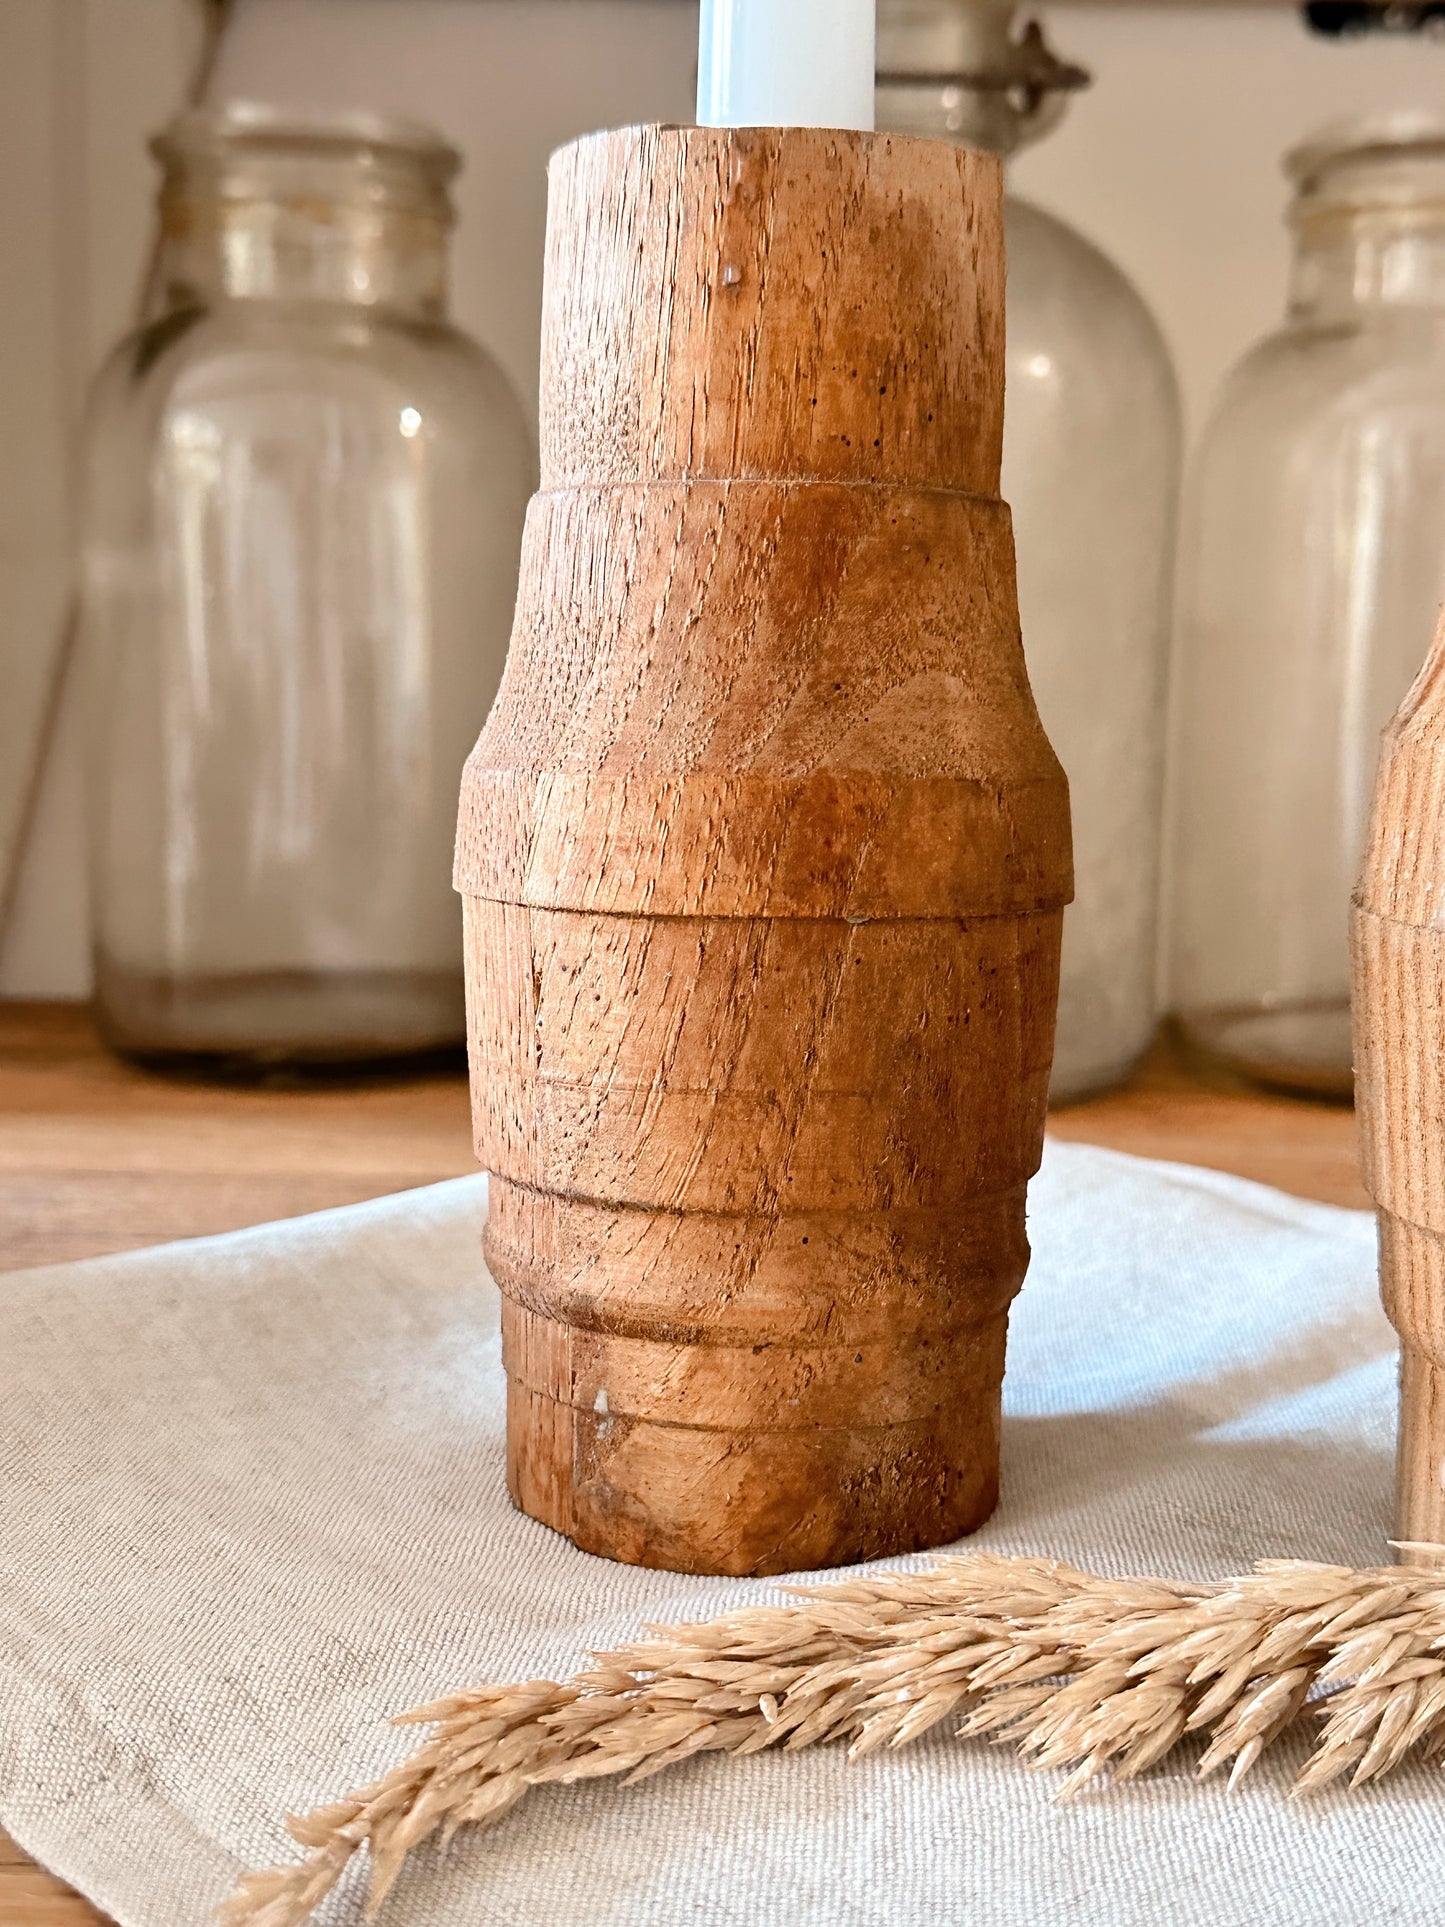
(96, 1157)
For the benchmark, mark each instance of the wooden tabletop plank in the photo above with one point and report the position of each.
(1190, 1114)
(30, 1897)
(97, 1156)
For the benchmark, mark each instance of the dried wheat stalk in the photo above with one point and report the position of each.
(1080, 1672)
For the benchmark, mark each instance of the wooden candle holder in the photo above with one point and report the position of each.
(1398, 936)
(764, 856)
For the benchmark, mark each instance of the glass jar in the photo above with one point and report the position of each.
(1090, 469)
(303, 497)
(1313, 564)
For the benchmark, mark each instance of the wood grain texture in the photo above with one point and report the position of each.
(121, 1158)
(764, 856)
(712, 309)
(765, 699)
(31, 1897)
(1398, 937)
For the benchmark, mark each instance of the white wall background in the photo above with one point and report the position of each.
(1170, 163)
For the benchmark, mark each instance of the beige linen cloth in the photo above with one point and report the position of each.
(252, 1502)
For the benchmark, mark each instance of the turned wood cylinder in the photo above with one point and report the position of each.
(1398, 936)
(764, 855)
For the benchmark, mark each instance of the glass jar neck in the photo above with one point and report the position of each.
(281, 250)
(1348, 262)
(963, 71)
(260, 205)
(1368, 219)
(964, 115)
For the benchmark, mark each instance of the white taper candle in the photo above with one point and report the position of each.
(785, 63)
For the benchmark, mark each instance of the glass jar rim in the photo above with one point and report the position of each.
(1366, 137)
(265, 126)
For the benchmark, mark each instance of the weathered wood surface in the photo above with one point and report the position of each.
(765, 699)
(1398, 933)
(774, 303)
(764, 855)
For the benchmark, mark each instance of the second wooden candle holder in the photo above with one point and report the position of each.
(1398, 940)
(764, 855)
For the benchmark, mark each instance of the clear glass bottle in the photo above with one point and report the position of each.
(1091, 469)
(303, 496)
(1313, 563)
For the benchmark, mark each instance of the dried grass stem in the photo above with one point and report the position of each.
(1082, 1674)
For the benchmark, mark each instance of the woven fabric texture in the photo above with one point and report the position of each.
(252, 1503)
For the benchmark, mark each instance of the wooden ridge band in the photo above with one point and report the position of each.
(713, 1065)
(1412, 1285)
(891, 1380)
(869, 747)
(860, 847)
(703, 1500)
(739, 1279)
(1400, 973)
